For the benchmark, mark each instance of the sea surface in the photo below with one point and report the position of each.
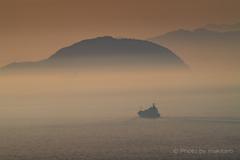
(95, 117)
(123, 138)
(204, 126)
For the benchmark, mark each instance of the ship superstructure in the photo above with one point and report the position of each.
(151, 112)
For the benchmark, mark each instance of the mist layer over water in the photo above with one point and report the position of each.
(93, 115)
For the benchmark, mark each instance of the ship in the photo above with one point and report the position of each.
(151, 112)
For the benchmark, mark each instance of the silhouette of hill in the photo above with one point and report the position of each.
(108, 52)
(203, 48)
(223, 27)
(199, 35)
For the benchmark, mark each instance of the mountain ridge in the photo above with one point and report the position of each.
(223, 27)
(202, 48)
(107, 51)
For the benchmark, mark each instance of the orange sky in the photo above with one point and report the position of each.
(32, 30)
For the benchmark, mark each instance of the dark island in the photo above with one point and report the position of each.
(106, 52)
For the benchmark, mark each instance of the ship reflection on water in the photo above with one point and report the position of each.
(151, 112)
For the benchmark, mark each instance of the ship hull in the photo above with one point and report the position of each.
(143, 114)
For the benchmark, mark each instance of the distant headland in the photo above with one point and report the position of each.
(108, 52)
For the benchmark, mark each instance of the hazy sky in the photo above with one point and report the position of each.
(32, 30)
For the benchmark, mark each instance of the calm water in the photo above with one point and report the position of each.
(121, 138)
(94, 116)
(107, 126)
